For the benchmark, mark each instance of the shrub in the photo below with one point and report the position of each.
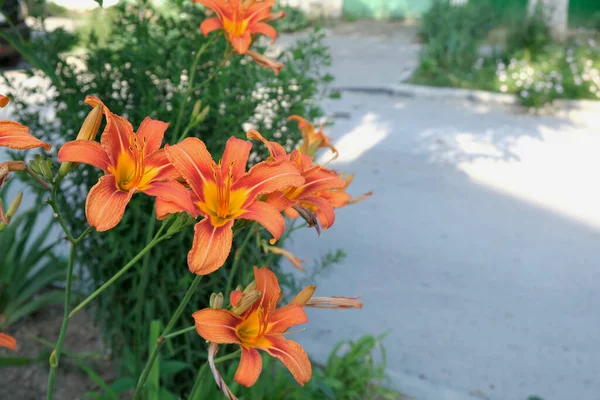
(141, 69)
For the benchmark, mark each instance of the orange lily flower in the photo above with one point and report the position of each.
(317, 179)
(133, 162)
(260, 327)
(225, 192)
(312, 140)
(239, 19)
(7, 341)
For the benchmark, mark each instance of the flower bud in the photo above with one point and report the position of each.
(216, 300)
(12, 210)
(304, 296)
(296, 262)
(245, 302)
(334, 302)
(182, 220)
(42, 166)
(4, 100)
(88, 131)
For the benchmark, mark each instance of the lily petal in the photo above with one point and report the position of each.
(324, 210)
(241, 43)
(105, 204)
(4, 100)
(17, 136)
(210, 248)
(117, 134)
(266, 283)
(235, 296)
(174, 193)
(217, 326)
(160, 167)
(268, 177)
(321, 179)
(285, 317)
(194, 163)
(151, 132)
(264, 29)
(293, 356)
(7, 341)
(85, 151)
(165, 208)
(275, 149)
(209, 25)
(236, 153)
(268, 216)
(249, 368)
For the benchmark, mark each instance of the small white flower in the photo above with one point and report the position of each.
(593, 89)
(589, 63)
(519, 83)
(503, 88)
(577, 81)
(524, 94)
(549, 85)
(559, 89)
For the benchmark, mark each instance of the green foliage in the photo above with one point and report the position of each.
(295, 20)
(351, 373)
(453, 35)
(141, 69)
(28, 269)
(531, 66)
(529, 33)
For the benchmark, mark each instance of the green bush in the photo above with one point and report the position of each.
(141, 70)
(529, 33)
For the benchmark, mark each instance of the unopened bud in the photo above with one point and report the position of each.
(53, 360)
(334, 302)
(42, 166)
(88, 131)
(182, 220)
(296, 262)
(245, 302)
(4, 100)
(216, 300)
(304, 296)
(250, 287)
(14, 206)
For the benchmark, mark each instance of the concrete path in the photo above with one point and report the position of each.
(479, 251)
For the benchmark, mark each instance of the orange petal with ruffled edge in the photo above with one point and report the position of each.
(285, 317)
(17, 136)
(209, 25)
(174, 193)
(210, 248)
(85, 151)
(7, 341)
(324, 211)
(264, 29)
(265, 61)
(268, 216)
(217, 326)
(193, 161)
(267, 284)
(165, 208)
(118, 133)
(267, 177)
(235, 157)
(4, 100)
(275, 149)
(293, 356)
(105, 204)
(301, 121)
(320, 179)
(249, 368)
(151, 133)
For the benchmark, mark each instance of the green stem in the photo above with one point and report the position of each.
(228, 357)
(236, 260)
(157, 239)
(181, 332)
(190, 88)
(55, 356)
(139, 305)
(193, 393)
(161, 339)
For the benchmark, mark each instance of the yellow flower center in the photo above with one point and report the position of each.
(252, 331)
(236, 27)
(221, 203)
(130, 172)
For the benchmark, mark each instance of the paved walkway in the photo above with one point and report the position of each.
(478, 252)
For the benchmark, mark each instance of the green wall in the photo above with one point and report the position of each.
(579, 10)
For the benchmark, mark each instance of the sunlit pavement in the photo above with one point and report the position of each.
(479, 251)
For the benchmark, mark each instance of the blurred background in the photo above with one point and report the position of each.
(475, 122)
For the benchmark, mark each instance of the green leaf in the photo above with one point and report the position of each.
(97, 379)
(17, 361)
(172, 367)
(153, 383)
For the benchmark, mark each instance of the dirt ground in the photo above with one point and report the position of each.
(29, 382)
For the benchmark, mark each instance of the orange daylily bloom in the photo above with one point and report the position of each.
(260, 327)
(317, 179)
(133, 162)
(240, 19)
(225, 192)
(7, 341)
(312, 140)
